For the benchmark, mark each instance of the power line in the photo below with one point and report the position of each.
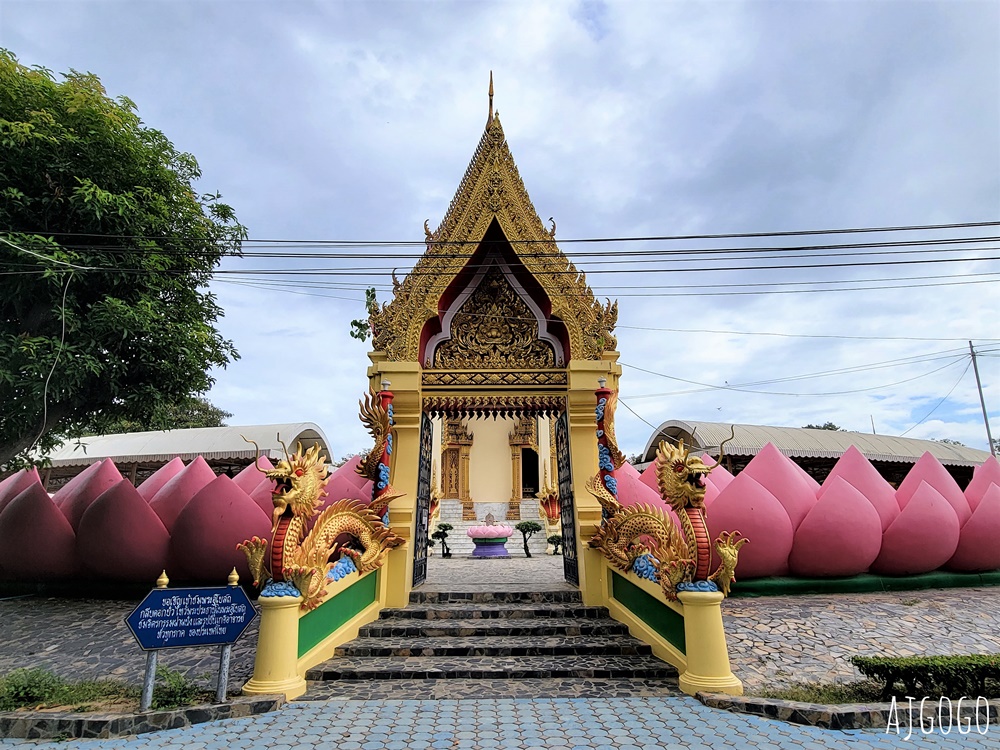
(928, 414)
(709, 387)
(650, 238)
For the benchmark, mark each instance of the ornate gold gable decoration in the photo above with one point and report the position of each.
(494, 330)
(492, 190)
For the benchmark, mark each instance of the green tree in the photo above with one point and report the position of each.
(824, 426)
(441, 534)
(528, 529)
(105, 250)
(556, 541)
(191, 412)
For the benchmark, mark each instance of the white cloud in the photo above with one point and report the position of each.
(357, 120)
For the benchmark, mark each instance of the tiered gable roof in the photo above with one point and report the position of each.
(492, 190)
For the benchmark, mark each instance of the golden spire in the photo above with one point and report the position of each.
(490, 118)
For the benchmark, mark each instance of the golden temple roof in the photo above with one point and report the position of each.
(492, 191)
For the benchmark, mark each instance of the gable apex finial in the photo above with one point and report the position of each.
(490, 118)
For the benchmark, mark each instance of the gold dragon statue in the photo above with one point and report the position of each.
(677, 555)
(378, 421)
(301, 548)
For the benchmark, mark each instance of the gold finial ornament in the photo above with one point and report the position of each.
(234, 578)
(162, 581)
(490, 118)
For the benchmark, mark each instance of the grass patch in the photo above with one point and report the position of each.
(41, 690)
(37, 688)
(866, 691)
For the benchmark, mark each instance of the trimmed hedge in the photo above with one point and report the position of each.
(952, 676)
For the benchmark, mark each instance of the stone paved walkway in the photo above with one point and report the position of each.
(783, 639)
(557, 724)
(775, 639)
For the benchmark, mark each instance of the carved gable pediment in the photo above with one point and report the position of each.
(494, 325)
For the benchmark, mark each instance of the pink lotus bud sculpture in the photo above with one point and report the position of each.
(490, 538)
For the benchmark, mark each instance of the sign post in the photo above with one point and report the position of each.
(177, 618)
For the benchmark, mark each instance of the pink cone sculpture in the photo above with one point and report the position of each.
(36, 540)
(928, 469)
(922, 538)
(778, 474)
(17, 483)
(205, 534)
(978, 541)
(858, 471)
(121, 538)
(749, 507)
(74, 498)
(172, 498)
(154, 483)
(982, 478)
(841, 535)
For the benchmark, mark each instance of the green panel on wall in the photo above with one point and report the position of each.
(333, 613)
(650, 610)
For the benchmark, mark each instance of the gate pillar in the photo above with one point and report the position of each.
(583, 375)
(405, 380)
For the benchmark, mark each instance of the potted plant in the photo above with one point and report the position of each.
(556, 541)
(441, 534)
(528, 529)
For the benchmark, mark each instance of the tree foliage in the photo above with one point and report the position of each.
(106, 249)
(528, 529)
(824, 426)
(189, 413)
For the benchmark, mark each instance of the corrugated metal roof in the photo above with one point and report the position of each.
(209, 442)
(800, 442)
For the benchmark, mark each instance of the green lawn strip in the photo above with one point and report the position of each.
(39, 688)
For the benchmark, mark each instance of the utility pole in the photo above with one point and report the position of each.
(982, 401)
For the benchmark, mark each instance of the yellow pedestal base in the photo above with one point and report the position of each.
(707, 653)
(275, 668)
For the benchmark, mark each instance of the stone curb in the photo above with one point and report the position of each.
(38, 725)
(843, 716)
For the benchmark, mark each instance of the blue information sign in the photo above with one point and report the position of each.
(172, 618)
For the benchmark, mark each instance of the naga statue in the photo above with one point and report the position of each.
(300, 551)
(677, 556)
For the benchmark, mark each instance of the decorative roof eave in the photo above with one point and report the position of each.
(492, 190)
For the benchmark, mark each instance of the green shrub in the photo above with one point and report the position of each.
(28, 687)
(24, 688)
(976, 674)
(173, 689)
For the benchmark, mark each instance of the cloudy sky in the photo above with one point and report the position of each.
(356, 120)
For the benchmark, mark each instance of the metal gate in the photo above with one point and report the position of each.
(571, 570)
(423, 501)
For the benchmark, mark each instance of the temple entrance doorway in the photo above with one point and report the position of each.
(477, 471)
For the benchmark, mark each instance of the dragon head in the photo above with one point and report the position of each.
(680, 476)
(299, 479)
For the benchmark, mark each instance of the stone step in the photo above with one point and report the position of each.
(530, 645)
(462, 628)
(488, 689)
(491, 611)
(480, 597)
(490, 667)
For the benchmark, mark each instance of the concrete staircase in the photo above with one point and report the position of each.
(500, 644)
(461, 545)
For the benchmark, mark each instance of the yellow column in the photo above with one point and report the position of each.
(707, 653)
(404, 379)
(583, 375)
(275, 669)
